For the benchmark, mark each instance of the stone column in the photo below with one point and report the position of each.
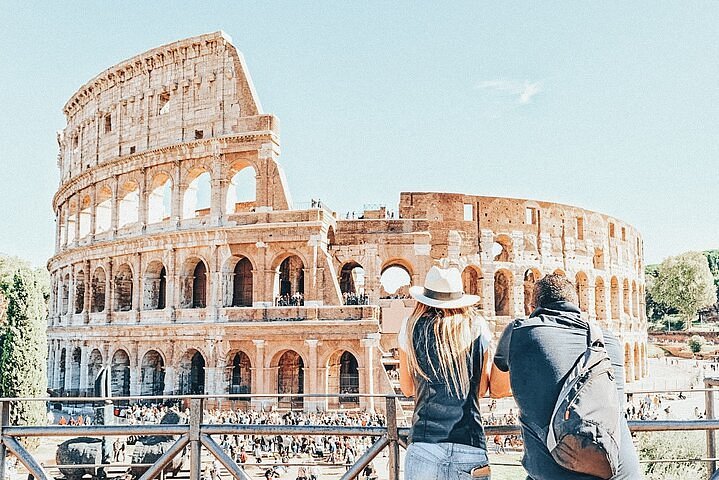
(142, 200)
(213, 274)
(109, 291)
(114, 207)
(177, 188)
(517, 306)
(136, 285)
(135, 376)
(93, 213)
(258, 374)
(68, 366)
(87, 294)
(216, 190)
(369, 345)
(56, 372)
(170, 379)
(171, 285)
(58, 230)
(71, 295)
(591, 300)
(313, 404)
(83, 370)
(77, 221)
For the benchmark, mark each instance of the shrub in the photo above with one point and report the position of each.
(695, 343)
(669, 445)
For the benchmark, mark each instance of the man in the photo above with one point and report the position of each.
(539, 352)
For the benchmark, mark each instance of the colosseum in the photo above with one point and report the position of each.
(183, 266)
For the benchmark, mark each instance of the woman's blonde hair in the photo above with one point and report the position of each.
(455, 330)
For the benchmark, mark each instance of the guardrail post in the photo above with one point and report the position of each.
(195, 445)
(4, 421)
(711, 437)
(393, 438)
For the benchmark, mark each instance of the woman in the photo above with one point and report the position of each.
(445, 364)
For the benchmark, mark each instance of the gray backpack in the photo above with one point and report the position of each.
(584, 431)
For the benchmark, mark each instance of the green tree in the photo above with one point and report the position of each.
(685, 283)
(695, 343)
(656, 311)
(23, 344)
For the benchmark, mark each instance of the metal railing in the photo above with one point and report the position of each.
(196, 434)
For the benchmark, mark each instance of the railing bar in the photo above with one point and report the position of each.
(366, 458)
(235, 470)
(246, 429)
(26, 459)
(227, 396)
(165, 458)
(95, 430)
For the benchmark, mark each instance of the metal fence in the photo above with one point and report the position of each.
(196, 434)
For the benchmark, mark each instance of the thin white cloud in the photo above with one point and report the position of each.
(523, 92)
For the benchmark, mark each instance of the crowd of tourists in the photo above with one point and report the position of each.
(355, 298)
(286, 300)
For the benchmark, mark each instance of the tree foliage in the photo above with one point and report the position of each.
(668, 445)
(695, 343)
(684, 283)
(23, 339)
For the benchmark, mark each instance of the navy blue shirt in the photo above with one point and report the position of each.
(539, 352)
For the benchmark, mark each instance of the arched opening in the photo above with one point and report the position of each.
(199, 286)
(94, 365)
(128, 211)
(560, 272)
(242, 283)
(290, 380)
(637, 363)
(152, 374)
(625, 296)
(600, 299)
(85, 216)
(343, 378)
(65, 299)
(239, 374)
(103, 210)
(120, 374)
(123, 289)
(196, 200)
(98, 290)
(395, 281)
(614, 298)
(191, 374)
(155, 284)
(63, 370)
(530, 278)
(79, 291)
(72, 212)
(471, 281)
(75, 372)
(290, 282)
(582, 286)
(241, 192)
(352, 284)
(502, 292)
(159, 201)
(502, 249)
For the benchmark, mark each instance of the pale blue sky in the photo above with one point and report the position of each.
(612, 106)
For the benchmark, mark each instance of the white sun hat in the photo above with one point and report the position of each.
(443, 289)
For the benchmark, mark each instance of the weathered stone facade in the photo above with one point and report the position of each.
(163, 273)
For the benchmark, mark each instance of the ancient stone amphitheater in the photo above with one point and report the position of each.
(182, 264)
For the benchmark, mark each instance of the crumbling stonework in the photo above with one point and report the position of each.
(167, 274)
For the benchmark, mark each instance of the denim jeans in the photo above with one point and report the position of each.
(442, 461)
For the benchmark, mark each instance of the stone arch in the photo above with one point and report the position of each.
(242, 283)
(352, 282)
(289, 281)
(159, 198)
(502, 248)
(155, 283)
(396, 278)
(191, 373)
(531, 276)
(600, 299)
(123, 288)
(625, 296)
(503, 293)
(79, 291)
(238, 373)
(241, 193)
(195, 283)
(94, 366)
(614, 298)
(343, 379)
(582, 287)
(152, 374)
(103, 210)
(120, 374)
(85, 216)
(290, 379)
(472, 280)
(98, 284)
(76, 362)
(197, 194)
(128, 204)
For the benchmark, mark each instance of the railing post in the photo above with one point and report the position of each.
(196, 406)
(393, 438)
(711, 437)
(4, 421)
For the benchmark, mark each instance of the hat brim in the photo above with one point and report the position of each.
(465, 300)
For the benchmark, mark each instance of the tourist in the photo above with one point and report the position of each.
(444, 360)
(539, 352)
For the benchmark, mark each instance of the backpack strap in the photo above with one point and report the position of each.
(594, 335)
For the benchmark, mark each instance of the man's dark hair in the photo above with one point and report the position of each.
(554, 288)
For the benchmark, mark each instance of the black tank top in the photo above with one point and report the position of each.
(439, 415)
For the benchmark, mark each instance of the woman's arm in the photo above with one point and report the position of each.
(406, 380)
(493, 380)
